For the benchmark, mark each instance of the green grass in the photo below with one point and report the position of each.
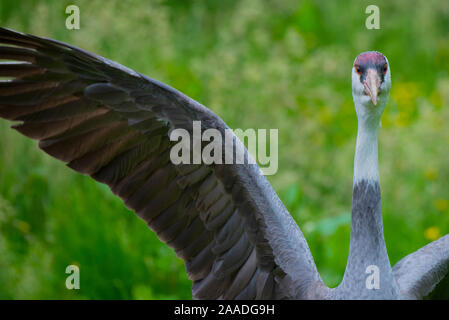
(257, 64)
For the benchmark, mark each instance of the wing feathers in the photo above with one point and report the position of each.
(199, 266)
(105, 93)
(232, 259)
(425, 272)
(19, 70)
(243, 276)
(112, 123)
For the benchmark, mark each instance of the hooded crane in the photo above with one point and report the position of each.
(235, 235)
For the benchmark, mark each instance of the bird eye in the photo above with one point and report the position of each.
(358, 69)
(384, 69)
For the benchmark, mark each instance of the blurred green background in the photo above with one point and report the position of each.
(257, 64)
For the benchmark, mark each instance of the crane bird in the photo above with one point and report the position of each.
(225, 220)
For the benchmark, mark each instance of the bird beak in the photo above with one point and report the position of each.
(372, 85)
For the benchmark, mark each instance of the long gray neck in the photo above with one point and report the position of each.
(367, 252)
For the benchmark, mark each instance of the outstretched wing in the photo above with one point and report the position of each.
(109, 122)
(424, 273)
(441, 290)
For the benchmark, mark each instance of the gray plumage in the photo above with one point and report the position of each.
(424, 273)
(235, 235)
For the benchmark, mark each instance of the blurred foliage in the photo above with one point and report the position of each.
(257, 64)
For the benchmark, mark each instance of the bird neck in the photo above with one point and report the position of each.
(366, 160)
(367, 252)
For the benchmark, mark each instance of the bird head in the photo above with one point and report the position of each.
(371, 83)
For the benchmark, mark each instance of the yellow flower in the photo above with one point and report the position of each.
(405, 93)
(23, 226)
(432, 233)
(441, 204)
(402, 119)
(435, 99)
(431, 174)
(325, 116)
